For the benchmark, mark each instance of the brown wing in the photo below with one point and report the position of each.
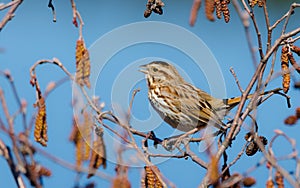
(198, 105)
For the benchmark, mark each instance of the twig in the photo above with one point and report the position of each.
(236, 79)
(70, 165)
(290, 12)
(50, 5)
(54, 61)
(269, 156)
(10, 14)
(5, 151)
(16, 95)
(131, 103)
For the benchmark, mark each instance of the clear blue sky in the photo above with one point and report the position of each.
(32, 35)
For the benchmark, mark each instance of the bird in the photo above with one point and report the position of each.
(179, 103)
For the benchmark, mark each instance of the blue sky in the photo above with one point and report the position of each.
(32, 35)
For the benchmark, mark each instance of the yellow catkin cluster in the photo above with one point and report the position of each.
(218, 9)
(254, 2)
(151, 180)
(286, 77)
(81, 137)
(77, 139)
(270, 184)
(121, 182)
(83, 65)
(225, 10)
(86, 132)
(209, 9)
(40, 130)
(213, 170)
(98, 157)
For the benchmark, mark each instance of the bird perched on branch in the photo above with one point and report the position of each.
(179, 103)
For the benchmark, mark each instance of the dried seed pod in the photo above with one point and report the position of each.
(279, 180)
(270, 184)
(218, 6)
(291, 120)
(225, 10)
(209, 9)
(251, 148)
(286, 77)
(40, 130)
(249, 181)
(98, 157)
(298, 112)
(293, 62)
(83, 65)
(296, 49)
(151, 179)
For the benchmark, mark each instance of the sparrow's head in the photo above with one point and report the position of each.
(160, 71)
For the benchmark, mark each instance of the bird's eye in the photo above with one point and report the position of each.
(155, 69)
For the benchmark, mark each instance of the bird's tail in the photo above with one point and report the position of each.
(234, 101)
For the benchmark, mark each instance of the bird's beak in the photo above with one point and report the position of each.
(143, 69)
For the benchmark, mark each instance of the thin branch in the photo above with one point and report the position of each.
(22, 107)
(10, 14)
(50, 5)
(236, 79)
(5, 152)
(290, 12)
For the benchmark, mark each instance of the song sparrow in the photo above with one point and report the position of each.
(180, 104)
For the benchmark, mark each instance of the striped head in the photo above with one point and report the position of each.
(158, 72)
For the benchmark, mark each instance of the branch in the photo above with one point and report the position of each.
(5, 151)
(10, 14)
